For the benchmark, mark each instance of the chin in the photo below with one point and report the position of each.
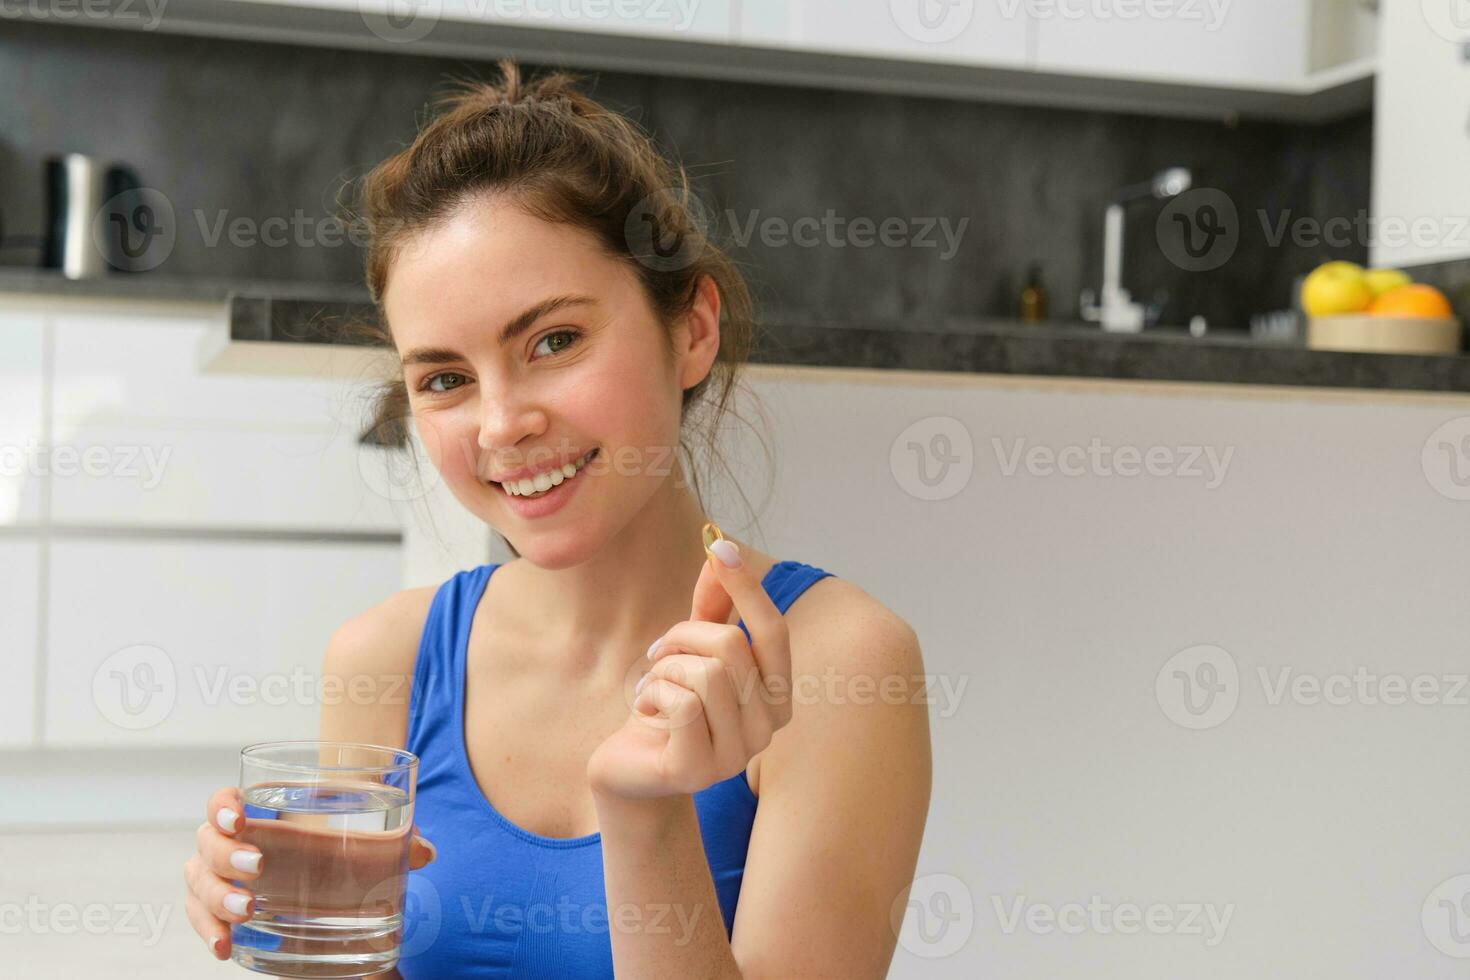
(554, 552)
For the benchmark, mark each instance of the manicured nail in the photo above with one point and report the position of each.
(248, 861)
(236, 903)
(727, 552)
(641, 681)
(654, 646)
(226, 818)
(213, 944)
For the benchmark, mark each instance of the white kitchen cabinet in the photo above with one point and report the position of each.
(412, 21)
(1248, 43)
(674, 20)
(20, 596)
(979, 34)
(155, 440)
(198, 642)
(1421, 135)
(22, 456)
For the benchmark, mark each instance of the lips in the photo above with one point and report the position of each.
(546, 480)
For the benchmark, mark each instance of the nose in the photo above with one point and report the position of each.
(506, 420)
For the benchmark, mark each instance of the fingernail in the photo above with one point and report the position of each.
(236, 903)
(727, 552)
(248, 861)
(213, 944)
(654, 646)
(641, 681)
(226, 818)
(433, 851)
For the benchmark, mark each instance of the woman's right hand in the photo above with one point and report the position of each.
(214, 902)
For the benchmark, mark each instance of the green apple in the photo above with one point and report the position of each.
(1381, 281)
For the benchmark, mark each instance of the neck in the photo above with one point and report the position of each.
(600, 616)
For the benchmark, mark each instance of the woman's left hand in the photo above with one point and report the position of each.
(711, 700)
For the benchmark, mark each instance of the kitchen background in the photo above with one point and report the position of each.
(267, 130)
(170, 603)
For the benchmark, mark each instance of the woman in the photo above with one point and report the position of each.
(559, 317)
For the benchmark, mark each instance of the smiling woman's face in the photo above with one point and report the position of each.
(586, 367)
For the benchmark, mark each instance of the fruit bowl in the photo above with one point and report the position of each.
(1384, 334)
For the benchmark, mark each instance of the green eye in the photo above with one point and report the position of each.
(569, 338)
(431, 383)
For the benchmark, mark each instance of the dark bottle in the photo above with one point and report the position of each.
(1033, 297)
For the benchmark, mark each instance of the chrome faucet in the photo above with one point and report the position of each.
(1117, 312)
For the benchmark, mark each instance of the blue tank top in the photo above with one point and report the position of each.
(500, 901)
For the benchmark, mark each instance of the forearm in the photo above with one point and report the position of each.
(663, 913)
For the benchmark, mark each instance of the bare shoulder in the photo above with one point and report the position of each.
(370, 658)
(385, 636)
(836, 621)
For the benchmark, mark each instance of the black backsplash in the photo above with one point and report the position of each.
(237, 129)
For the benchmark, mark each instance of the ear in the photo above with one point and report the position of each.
(698, 335)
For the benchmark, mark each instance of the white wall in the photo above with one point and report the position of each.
(1059, 599)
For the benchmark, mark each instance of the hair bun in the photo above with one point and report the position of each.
(478, 95)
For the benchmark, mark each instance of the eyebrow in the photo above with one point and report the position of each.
(517, 326)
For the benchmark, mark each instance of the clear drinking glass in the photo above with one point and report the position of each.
(333, 821)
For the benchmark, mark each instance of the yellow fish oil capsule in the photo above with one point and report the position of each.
(712, 533)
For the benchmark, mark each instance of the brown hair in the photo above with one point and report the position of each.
(565, 158)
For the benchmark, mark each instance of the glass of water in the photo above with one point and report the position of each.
(333, 821)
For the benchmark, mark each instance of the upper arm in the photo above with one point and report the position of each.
(844, 794)
(368, 671)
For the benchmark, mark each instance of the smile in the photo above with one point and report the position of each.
(543, 482)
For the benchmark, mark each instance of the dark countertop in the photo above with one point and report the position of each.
(279, 310)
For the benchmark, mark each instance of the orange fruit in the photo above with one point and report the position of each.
(1416, 300)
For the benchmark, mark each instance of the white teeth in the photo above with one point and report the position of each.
(545, 481)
